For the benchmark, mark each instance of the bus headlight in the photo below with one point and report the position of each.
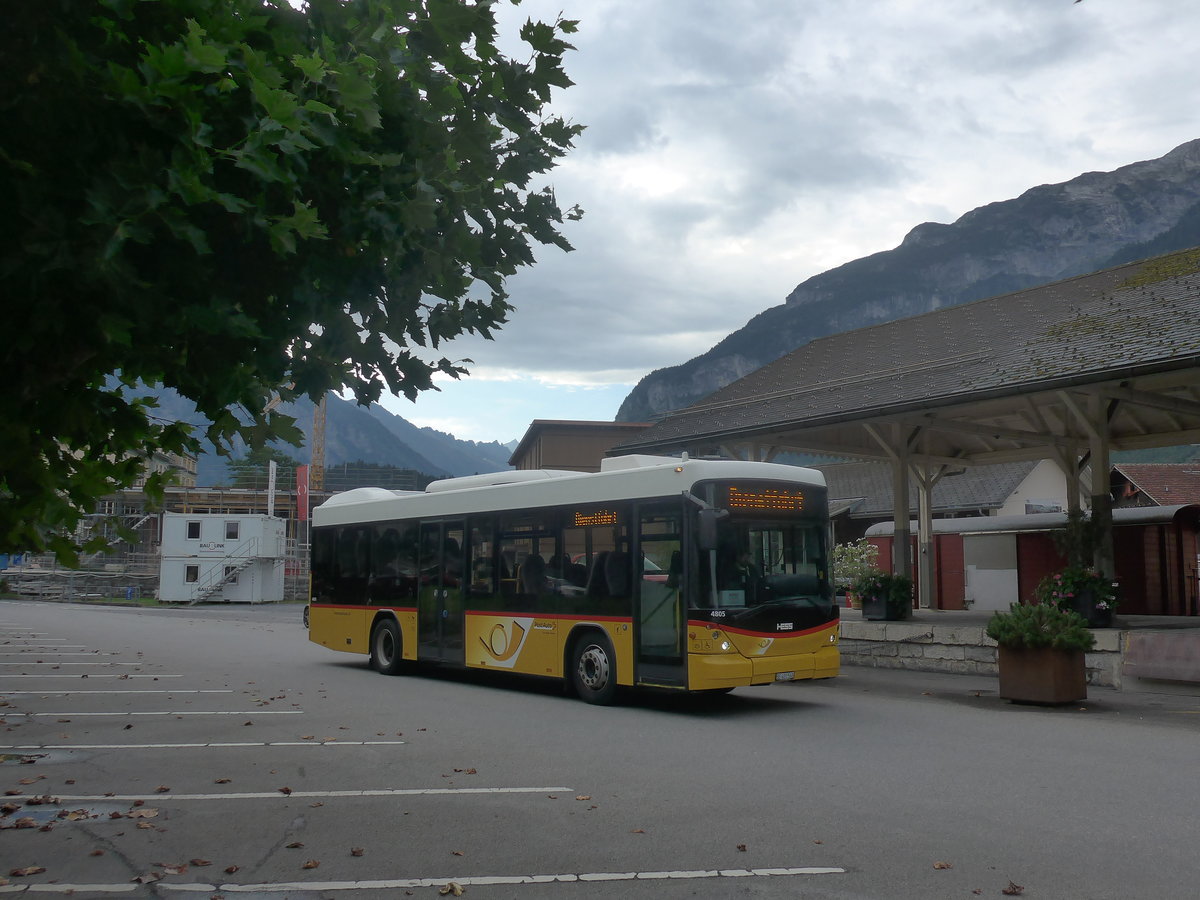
(724, 645)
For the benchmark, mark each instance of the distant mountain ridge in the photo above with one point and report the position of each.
(356, 434)
(1092, 222)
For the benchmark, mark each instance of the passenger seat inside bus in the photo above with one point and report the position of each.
(532, 575)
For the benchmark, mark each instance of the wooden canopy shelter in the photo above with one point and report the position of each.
(1069, 371)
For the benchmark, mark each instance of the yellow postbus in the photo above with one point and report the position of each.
(692, 574)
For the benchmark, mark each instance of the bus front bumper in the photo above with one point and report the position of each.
(710, 672)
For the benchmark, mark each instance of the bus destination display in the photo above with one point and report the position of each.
(775, 499)
(596, 517)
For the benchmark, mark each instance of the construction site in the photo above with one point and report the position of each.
(242, 542)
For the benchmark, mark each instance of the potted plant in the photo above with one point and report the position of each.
(1041, 653)
(884, 597)
(850, 562)
(1082, 590)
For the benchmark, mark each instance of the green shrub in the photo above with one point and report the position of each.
(1040, 625)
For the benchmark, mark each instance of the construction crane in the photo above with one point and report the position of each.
(316, 441)
(316, 473)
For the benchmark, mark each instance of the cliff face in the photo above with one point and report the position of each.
(1050, 232)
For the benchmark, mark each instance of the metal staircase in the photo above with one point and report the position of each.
(228, 569)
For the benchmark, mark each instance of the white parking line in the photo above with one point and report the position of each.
(161, 690)
(332, 742)
(464, 881)
(47, 647)
(294, 795)
(69, 888)
(38, 662)
(32, 651)
(101, 675)
(180, 712)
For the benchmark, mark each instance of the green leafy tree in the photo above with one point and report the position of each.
(238, 197)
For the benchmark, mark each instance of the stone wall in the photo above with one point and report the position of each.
(961, 649)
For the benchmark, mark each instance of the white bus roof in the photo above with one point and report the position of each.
(619, 478)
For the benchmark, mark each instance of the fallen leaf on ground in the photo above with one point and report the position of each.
(356, 851)
(27, 870)
(31, 780)
(200, 862)
(222, 780)
(161, 789)
(943, 865)
(229, 870)
(457, 852)
(148, 878)
(310, 864)
(453, 888)
(584, 797)
(742, 847)
(638, 831)
(175, 869)
(285, 790)
(96, 852)
(146, 812)
(317, 803)
(295, 845)
(1013, 889)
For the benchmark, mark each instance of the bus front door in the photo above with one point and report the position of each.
(440, 607)
(659, 612)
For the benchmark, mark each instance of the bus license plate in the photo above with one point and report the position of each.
(785, 676)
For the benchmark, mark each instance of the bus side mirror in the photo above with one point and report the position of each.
(706, 527)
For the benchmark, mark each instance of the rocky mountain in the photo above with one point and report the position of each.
(1050, 232)
(357, 434)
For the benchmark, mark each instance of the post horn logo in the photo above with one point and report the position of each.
(498, 643)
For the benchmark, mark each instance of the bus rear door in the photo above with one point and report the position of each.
(440, 606)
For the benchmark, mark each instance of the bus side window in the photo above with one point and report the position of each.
(324, 569)
(385, 577)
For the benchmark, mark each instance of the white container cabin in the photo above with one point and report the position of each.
(230, 558)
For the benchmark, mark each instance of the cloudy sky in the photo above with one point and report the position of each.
(735, 148)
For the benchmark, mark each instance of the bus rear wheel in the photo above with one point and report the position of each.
(385, 648)
(594, 670)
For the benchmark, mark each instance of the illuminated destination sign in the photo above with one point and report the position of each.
(776, 499)
(596, 517)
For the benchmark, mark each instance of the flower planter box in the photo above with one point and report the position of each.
(1084, 603)
(878, 609)
(1042, 675)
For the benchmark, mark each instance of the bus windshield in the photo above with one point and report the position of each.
(765, 562)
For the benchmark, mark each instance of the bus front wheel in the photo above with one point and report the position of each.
(385, 648)
(594, 670)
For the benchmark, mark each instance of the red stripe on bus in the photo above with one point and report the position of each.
(412, 609)
(720, 626)
(578, 617)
